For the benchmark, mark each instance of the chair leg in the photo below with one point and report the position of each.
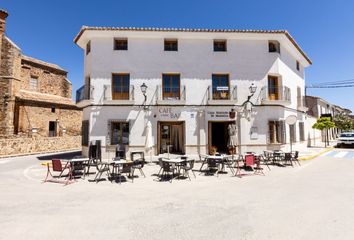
(193, 173)
(142, 172)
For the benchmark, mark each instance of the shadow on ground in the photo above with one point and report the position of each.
(68, 155)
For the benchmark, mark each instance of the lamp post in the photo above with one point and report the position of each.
(247, 109)
(143, 89)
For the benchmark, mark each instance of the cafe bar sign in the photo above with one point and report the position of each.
(168, 113)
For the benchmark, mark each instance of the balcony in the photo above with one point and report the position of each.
(276, 96)
(301, 104)
(171, 95)
(122, 95)
(84, 96)
(222, 95)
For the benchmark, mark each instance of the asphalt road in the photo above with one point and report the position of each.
(314, 201)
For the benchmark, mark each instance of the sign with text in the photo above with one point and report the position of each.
(169, 113)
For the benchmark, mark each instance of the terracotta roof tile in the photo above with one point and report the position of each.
(287, 34)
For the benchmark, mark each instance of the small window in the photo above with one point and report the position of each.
(274, 46)
(33, 86)
(298, 65)
(119, 133)
(88, 47)
(53, 109)
(171, 45)
(220, 46)
(120, 44)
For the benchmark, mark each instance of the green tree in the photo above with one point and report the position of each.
(324, 123)
(343, 122)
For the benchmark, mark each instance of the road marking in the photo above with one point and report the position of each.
(340, 154)
(26, 173)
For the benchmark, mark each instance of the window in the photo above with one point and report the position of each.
(120, 86)
(53, 109)
(274, 46)
(302, 131)
(120, 44)
(219, 45)
(220, 86)
(171, 45)
(33, 84)
(273, 88)
(119, 133)
(85, 132)
(298, 65)
(88, 47)
(171, 86)
(277, 132)
(52, 129)
(292, 129)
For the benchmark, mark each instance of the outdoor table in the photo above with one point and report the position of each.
(177, 162)
(72, 164)
(224, 160)
(103, 166)
(116, 164)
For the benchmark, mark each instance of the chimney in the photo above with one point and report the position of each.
(3, 16)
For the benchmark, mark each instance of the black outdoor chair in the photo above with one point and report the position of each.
(188, 166)
(203, 160)
(288, 159)
(125, 168)
(295, 157)
(138, 164)
(168, 169)
(266, 158)
(213, 165)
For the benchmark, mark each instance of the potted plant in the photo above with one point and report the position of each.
(213, 150)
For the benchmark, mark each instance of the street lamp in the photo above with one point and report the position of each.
(247, 105)
(143, 89)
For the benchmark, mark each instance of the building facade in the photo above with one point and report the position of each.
(197, 83)
(35, 95)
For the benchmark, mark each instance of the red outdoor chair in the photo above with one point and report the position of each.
(252, 162)
(58, 166)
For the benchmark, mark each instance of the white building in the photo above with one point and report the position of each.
(196, 79)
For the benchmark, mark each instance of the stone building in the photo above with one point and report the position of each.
(35, 96)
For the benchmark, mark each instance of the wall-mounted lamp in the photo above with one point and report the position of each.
(143, 89)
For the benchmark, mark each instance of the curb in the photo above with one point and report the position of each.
(316, 155)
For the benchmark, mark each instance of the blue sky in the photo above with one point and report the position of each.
(324, 29)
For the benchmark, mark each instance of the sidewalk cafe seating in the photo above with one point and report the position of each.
(168, 169)
(214, 164)
(295, 157)
(138, 163)
(203, 160)
(250, 162)
(187, 166)
(121, 167)
(288, 159)
(58, 166)
(278, 157)
(267, 158)
(102, 167)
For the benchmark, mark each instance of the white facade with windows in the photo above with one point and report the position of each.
(195, 80)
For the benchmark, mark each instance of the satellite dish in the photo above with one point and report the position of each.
(291, 119)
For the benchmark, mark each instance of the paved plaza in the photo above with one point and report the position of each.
(314, 201)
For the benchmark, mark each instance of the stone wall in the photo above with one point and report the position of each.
(35, 115)
(10, 71)
(13, 146)
(50, 81)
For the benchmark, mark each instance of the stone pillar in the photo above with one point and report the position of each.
(3, 16)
